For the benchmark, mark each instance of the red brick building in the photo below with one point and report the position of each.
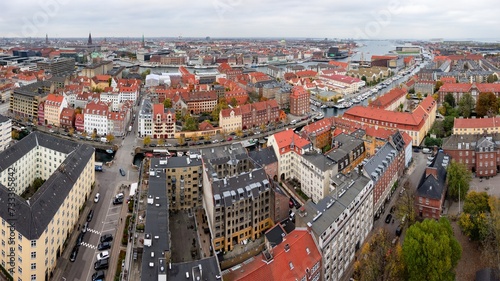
(199, 102)
(319, 133)
(299, 101)
(163, 122)
(430, 194)
(259, 113)
(67, 120)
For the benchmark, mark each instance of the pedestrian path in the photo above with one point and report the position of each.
(88, 245)
(93, 231)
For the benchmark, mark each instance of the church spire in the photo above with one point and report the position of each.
(143, 44)
(46, 38)
(90, 39)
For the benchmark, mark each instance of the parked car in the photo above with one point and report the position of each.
(215, 141)
(97, 196)
(102, 264)
(117, 201)
(74, 254)
(103, 255)
(122, 172)
(388, 218)
(392, 209)
(399, 230)
(119, 195)
(104, 246)
(90, 215)
(106, 238)
(98, 275)
(79, 240)
(229, 139)
(85, 227)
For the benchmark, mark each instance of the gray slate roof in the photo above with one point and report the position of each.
(34, 216)
(431, 187)
(375, 164)
(206, 269)
(264, 156)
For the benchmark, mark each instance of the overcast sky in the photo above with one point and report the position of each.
(371, 19)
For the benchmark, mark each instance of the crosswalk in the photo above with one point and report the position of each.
(93, 231)
(88, 245)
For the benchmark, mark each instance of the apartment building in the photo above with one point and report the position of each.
(67, 119)
(319, 133)
(299, 101)
(5, 132)
(199, 102)
(57, 66)
(54, 105)
(96, 118)
(346, 84)
(163, 122)
(473, 126)
(384, 169)
(145, 119)
(259, 113)
(43, 220)
(347, 151)
(287, 145)
(290, 256)
(230, 119)
(184, 181)
(237, 196)
(394, 100)
(314, 173)
(24, 101)
(340, 222)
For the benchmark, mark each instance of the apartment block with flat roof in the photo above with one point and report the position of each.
(5, 132)
(25, 100)
(184, 181)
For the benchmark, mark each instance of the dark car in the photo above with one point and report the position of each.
(388, 218)
(74, 253)
(90, 215)
(117, 201)
(393, 208)
(85, 227)
(79, 240)
(106, 238)
(152, 145)
(122, 172)
(101, 264)
(98, 275)
(398, 230)
(104, 246)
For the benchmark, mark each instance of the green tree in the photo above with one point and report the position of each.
(15, 134)
(147, 141)
(430, 251)
(466, 105)
(486, 105)
(222, 104)
(378, 260)
(458, 178)
(419, 95)
(191, 123)
(492, 78)
(145, 73)
(491, 242)
(450, 99)
(363, 78)
(433, 142)
(233, 102)
(167, 103)
(448, 124)
(474, 220)
(411, 91)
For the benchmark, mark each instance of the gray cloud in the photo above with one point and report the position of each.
(421, 19)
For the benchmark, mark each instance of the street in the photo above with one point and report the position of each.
(106, 219)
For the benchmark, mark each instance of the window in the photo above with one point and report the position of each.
(33, 277)
(33, 243)
(33, 266)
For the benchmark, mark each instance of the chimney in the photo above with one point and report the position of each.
(431, 171)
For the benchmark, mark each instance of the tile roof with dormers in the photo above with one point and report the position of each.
(54, 100)
(342, 78)
(292, 259)
(455, 88)
(476, 123)
(96, 108)
(285, 138)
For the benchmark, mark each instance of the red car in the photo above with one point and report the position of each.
(229, 139)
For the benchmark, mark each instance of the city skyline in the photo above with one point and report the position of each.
(394, 19)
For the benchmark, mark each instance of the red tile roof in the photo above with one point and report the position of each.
(306, 73)
(473, 123)
(447, 80)
(342, 78)
(319, 126)
(343, 65)
(488, 87)
(371, 113)
(285, 138)
(389, 98)
(455, 87)
(287, 264)
(205, 126)
(376, 57)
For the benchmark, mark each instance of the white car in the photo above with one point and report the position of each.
(97, 196)
(103, 255)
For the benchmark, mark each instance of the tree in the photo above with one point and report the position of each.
(363, 78)
(239, 133)
(167, 103)
(433, 142)
(411, 91)
(474, 220)
(78, 110)
(15, 134)
(430, 251)
(466, 105)
(145, 73)
(437, 86)
(110, 138)
(492, 78)
(71, 131)
(450, 99)
(222, 104)
(161, 142)
(486, 105)
(419, 95)
(435, 96)
(448, 124)
(378, 260)
(233, 102)
(147, 140)
(405, 206)
(458, 178)
(491, 242)
(191, 123)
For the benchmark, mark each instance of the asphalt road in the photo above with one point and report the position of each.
(106, 216)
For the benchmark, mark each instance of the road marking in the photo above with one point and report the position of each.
(93, 231)
(89, 245)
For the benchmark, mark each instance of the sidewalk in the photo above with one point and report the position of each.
(117, 241)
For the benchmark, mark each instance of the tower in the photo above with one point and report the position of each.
(143, 44)
(46, 39)
(90, 39)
